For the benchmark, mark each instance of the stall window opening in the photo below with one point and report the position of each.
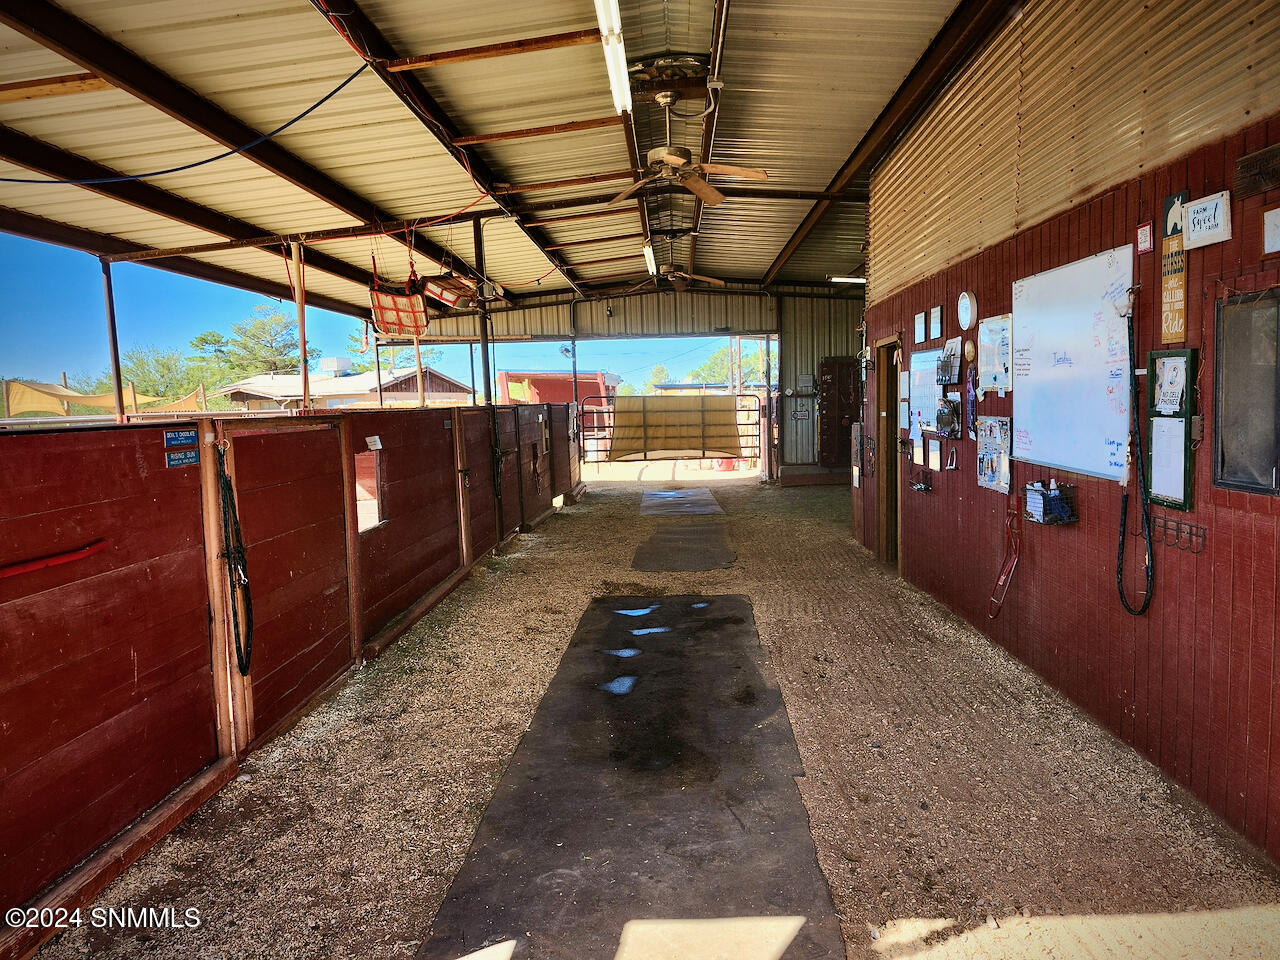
(369, 485)
(1247, 430)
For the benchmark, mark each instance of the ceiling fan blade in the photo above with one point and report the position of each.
(674, 160)
(743, 173)
(644, 282)
(711, 280)
(703, 191)
(679, 282)
(630, 190)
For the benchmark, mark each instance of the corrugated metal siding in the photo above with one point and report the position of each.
(1192, 683)
(1040, 120)
(811, 329)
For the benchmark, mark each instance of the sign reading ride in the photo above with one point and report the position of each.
(1173, 272)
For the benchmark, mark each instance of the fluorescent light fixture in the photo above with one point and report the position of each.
(615, 53)
(847, 279)
(649, 261)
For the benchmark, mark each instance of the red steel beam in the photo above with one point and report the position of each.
(100, 244)
(64, 34)
(555, 41)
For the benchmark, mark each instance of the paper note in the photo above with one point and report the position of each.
(1168, 450)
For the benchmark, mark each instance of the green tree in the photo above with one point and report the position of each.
(267, 342)
(718, 366)
(626, 390)
(659, 374)
(400, 357)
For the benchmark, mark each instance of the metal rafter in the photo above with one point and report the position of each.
(346, 17)
(80, 43)
(100, 244)
(968, 27)
(486, 51)
(41, 157)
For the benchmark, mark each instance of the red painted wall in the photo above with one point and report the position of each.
(481, 499)
(1191, 683)
(289, 494)
(553, 387)
(106, 691)
(415, 546)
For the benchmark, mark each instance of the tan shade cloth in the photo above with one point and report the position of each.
(30, 397)
(675, 428)
(192, 401)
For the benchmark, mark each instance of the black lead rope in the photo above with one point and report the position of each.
(237, 576)
(1149, 566)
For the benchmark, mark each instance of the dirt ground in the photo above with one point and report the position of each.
(960, 807)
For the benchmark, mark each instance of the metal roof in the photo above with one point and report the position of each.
(803, 83)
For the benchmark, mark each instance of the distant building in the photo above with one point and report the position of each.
(332, 387)
(554, 386)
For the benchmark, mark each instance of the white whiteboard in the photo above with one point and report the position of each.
(1071, 366)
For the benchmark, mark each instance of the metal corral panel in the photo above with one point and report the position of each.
(1038, 121)
(811, 329)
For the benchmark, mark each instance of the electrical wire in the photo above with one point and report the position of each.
(1149, 565)
(124, 178)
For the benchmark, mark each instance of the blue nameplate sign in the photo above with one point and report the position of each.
(180, 438)
(182, 458)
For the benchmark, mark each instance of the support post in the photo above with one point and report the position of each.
(483, 313)
(766, 443)
(113, 344)
(300, 298)
(471, 355)
(66, 407)
(377, 366)
(417, 356)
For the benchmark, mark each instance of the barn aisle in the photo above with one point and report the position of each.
(958, 806)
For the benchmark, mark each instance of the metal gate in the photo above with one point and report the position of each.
(703, 432)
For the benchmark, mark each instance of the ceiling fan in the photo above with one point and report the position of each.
(680, 280)
(675, 164)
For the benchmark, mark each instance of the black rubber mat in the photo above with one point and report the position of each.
(655, 782)
(685, 545)
(675, 503)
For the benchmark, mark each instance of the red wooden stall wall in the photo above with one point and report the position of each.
(512, 490)
(1190, 684)
(562, 478)
(415, 547)
(535, 462)
(292, 506)
(106, 689)
(482, 502)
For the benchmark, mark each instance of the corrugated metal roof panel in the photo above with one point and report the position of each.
(740, 238)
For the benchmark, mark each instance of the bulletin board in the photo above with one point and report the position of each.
(1071, 391)
(1171, 376)
(926, 392)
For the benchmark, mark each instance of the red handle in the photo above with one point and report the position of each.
(53, 560)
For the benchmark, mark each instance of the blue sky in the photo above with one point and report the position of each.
(52, 320)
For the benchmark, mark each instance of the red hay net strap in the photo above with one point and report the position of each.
(399, 314)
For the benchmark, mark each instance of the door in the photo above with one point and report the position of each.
(887, 451)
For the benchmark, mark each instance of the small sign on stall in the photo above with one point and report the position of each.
(1208, 220)
(185, 437)
(182, 458)
(1146, 238)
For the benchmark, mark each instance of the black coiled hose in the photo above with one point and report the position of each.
(1149, 566)
(237, 576)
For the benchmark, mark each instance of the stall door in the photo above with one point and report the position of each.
(291, 503)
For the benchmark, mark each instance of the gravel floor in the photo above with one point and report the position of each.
(943, 779)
